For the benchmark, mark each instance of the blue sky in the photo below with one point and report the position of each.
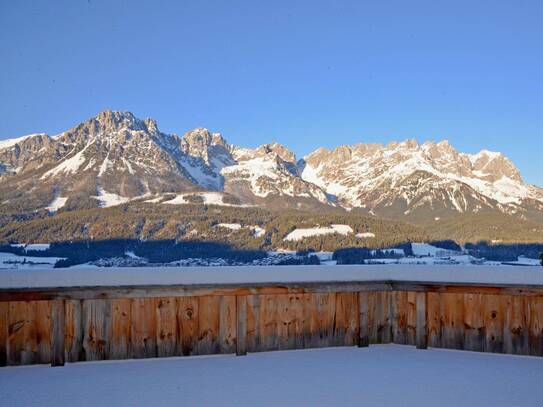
(303, 73)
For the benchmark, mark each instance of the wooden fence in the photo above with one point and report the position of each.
(81, 324)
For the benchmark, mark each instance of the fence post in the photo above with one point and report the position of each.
(364, 336)
(241, 325)
(57, 332)
(422, 325)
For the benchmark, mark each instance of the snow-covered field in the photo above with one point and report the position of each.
(12, 261)
(383, 375)
(299, 234)
(126, 276)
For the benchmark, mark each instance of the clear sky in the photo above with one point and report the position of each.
(303, 73)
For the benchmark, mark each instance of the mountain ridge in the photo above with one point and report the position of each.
(115, 158)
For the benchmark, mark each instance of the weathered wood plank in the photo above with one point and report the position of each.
(364, 334)
(382, 322)
(187, 322)
(452, 320)
(119, 344)
(95, 315)
(493, 317)
(228, 324)
(143, 336)
(4, 312)
(167, 330)
(208, 325)
(516, 327)
(535, 326)
(411, 318)
(269, 324)
(399, 317)
(150, 291)
(44, 333)
(290, 324)
(422, 321)
(253, 323)
(241, 325)
(346, 331)
(57, 333)
(474, 330)
(73, 331)
(319, 316)
(434, 320)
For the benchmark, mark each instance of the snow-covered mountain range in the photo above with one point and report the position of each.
(115, 158)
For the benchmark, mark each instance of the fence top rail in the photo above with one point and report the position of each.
(498, 276)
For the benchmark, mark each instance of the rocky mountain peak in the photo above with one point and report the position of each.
(281, 151)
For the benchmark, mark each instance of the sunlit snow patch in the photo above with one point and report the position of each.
(299, 234)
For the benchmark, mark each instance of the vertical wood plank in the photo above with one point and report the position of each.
(241, 325)
(167, 331)
(73, 331)
(96, 317)
(187, 322)
(269, 324)
(364, 336)
(44, 334)
(228, 324)
(474, 331)
(346, 320)
(143, 328)
(452, 320)
(535, 325)
(253, 323)
(411, 318)
(515, 329)
(382, 322)
(399, 317)
(319, 316)
(493, 317)
(4, 310)
(208, 325)
(434, 320)
(57, 333)
(119, 344)
(422, 318)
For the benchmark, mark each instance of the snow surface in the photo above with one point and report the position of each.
(108, 199)
(380, 375)
(232, 226)
(131, 276)
(209, 198)
(365, 235)
(10, 261)
(70, 165)
(56, 204)
(425, 249)
(299, 234)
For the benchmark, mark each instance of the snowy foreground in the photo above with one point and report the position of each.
(382, 375)
(133, 276)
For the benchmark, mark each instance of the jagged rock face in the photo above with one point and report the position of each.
(405, 178)
(115, 157)
(269, 170)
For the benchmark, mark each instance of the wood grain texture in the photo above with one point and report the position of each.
(187, 322)
(421, 338)
(364, 329)
(120, 338)
(95, 316)
(167, 341)
(494, 319)
(143, 327)
(489, 319)
(241, 325)
(73, 331)
(58, 328)
(474, 328)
